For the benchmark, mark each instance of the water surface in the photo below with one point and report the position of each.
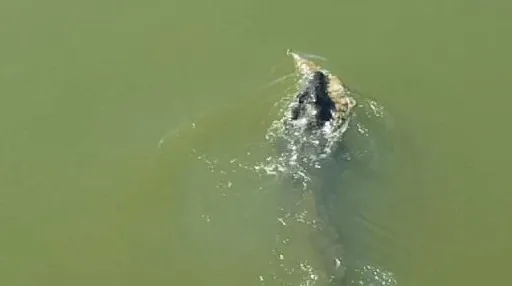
(88, 89)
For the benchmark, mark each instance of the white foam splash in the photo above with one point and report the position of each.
(372, 276)
(301, 149)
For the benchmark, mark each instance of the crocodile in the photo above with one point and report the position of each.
(323, 97)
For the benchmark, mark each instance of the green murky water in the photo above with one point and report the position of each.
(88, 89)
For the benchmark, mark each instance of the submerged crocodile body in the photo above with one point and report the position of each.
(322, 108)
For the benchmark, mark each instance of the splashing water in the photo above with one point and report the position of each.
(299, 150)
